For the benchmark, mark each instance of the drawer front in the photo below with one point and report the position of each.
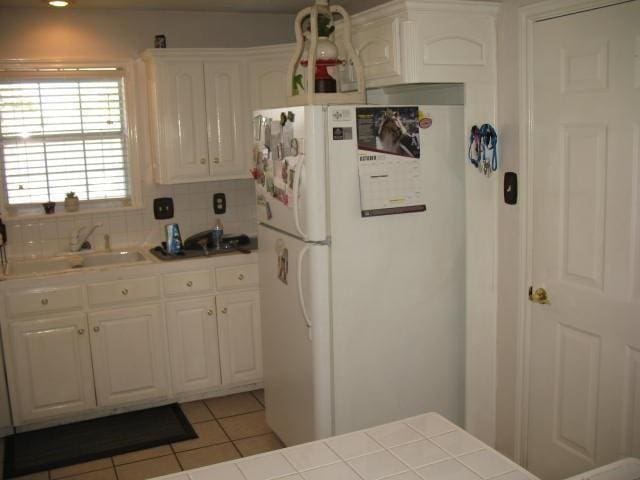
(240, 276)
(44, 301)
(185, 283)
(137, 289)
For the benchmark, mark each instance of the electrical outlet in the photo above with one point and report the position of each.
(163, 208)
(219, 203)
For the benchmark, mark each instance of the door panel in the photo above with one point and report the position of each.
(184, 125)
(193, 344)
(129, 354)
(586, 112)
(240, 338)
(225, 122)
(51, 366)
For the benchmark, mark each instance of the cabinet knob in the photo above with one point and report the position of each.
(80, 331)
(189, 283)
(210, 312)
(96, 329)
(125, 291)
(44, 301)
(241, 276)
(224, 310)
(203, 161)
(216, 160)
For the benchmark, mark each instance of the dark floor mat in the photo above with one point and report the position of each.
(64, 445)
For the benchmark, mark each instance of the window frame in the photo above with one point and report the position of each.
(32, 70)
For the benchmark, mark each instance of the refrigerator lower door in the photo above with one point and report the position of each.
(294, 283)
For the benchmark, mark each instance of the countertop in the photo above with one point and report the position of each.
(425, 447)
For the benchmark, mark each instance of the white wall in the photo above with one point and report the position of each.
(46, 34)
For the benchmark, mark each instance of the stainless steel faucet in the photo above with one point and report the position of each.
(80, 238)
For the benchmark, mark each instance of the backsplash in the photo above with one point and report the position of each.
(29, 238)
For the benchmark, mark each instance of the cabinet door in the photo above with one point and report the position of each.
(225, 119)
(193, 344)
(50, 368)
(183, 120)
(129, 354)
(240, 338)
(268, 85)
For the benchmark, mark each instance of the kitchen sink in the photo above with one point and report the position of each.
(77, 261)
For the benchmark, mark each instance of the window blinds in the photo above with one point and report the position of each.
(59, 135)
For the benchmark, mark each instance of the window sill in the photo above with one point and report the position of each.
(62, 214)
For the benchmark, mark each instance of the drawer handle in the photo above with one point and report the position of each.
(241, 276)
(224, 310)
(210, 312)
(80, 331)
(96, 329)
(125, 291)
(44, 301)
(189, 283)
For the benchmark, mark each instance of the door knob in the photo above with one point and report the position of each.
(224, 310)
(539, 296)
(96, 329)
(210, 312)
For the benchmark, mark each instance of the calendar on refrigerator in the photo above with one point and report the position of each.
(389, 184)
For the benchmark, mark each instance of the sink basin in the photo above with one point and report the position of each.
(73, 262)
(112, 258)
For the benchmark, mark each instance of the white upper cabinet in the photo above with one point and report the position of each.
(267, 73)
(198, 116)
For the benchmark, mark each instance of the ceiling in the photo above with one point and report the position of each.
(238, 6)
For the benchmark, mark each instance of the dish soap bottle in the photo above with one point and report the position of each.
(216, 234)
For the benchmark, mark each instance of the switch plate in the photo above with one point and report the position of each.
(219, 203)
(510, 188)
(163, 208)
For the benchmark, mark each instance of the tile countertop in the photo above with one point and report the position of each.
(426, 447)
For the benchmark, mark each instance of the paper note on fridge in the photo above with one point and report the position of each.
(389, 184)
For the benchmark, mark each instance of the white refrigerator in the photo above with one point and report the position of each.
(362, 306)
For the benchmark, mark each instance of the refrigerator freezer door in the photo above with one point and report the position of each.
(295, 336)
(301, 177)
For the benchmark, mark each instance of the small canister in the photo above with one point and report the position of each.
(173, 239)
(160, 41)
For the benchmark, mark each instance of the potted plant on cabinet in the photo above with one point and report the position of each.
(71, 202)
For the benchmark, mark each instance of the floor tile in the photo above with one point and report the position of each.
(458, 442)
(247, 425)
(153, 467)
(145, 454)
(487, 463)
(431, 424)
(338, 471)
(259, 394)
(34, 476)
(108, 474)
(377, 465)
(260, 444)
(394, 434)
(209, 433)
(404, 476)
(233, 405)
(207, 456)
(266, 466)
(79, 468)
(196, 412)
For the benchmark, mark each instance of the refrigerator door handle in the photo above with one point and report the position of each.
(303, 307)
(296, 193)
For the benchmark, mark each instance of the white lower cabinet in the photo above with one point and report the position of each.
(193, 344)
(51, 361)
(240, 337)
(129, 348)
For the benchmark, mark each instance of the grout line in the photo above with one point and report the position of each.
(175, 455)
(240, 414)
(256, 397)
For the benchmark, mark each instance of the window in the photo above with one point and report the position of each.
(62, 130)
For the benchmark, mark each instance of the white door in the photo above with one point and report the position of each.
(297, 359)
(584, 404)
(240, 338)
(193, 344)
(50, 368)
(184, 120)
(129, 354)
(225, 119)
